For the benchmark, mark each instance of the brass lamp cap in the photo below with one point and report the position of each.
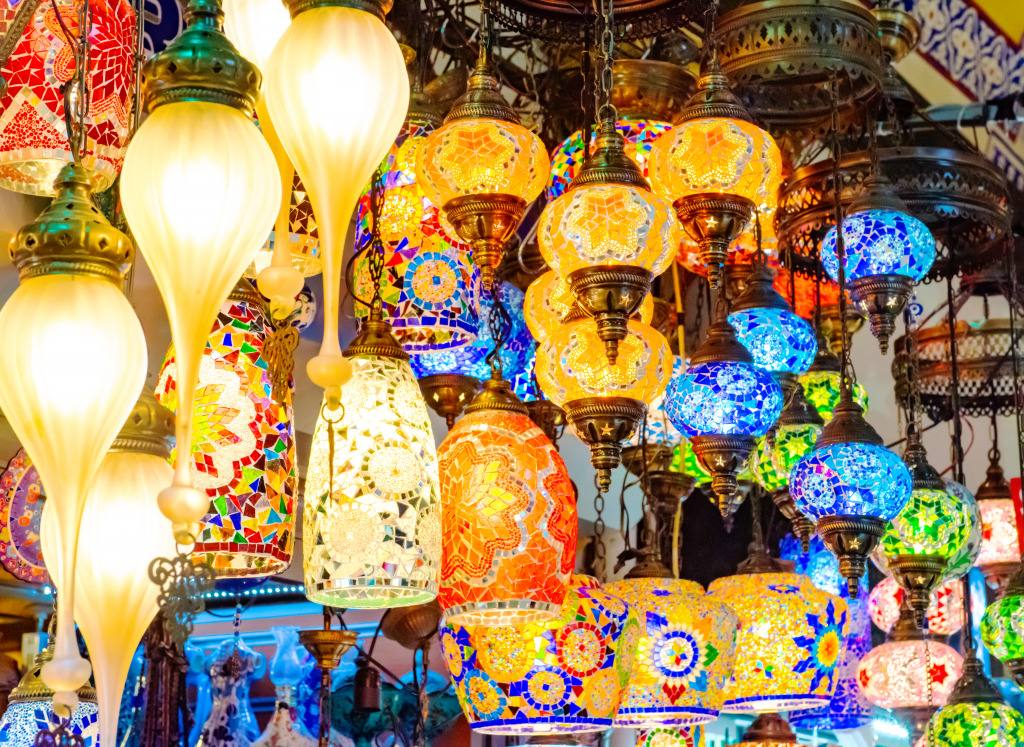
(423, 110)
(201, 65)
(482, 99)
(825, 361)
(72, 236)
(799, 411)
(924, 476)
(148, 430)
(497, 394)
(973, 686)
(877, 193)
(378, 8)
(995, 486)
(609, 164)
(760, 293)
(848, 426)
(32, 689)
(721, 345)
(713, 97)
(375, 339)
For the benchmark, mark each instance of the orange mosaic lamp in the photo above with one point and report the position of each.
(508, 516)
(717, 168)
(564, 676)
(483, 168)
(603, 402)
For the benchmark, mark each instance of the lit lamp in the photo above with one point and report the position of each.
(200, 192)
(1000, 548)
(21, 513)
(817, 563)
(371, 521)
(482, 167)
(975, 714)
(549, 301)
(609, 236)
(821, 383)
(768, 730)
(717, 168)
(886, 251)
(1002, 627)
(603, 402)
(668, 736)
(563, 676)
(509, 516)
(243, 445)
(34, 143)
(945, 611)
(80, 363)
(960, 562)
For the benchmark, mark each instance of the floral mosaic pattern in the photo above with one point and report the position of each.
(372, 524)
(790, 642)
(777, 339)
(23, 721)
(665, 736)
(21, 514)
(686, 649)
(945, 612)
(880, 242)
(822, 390)
(897, 674)
(933, 522)
(243, 447)
(724, 398)
(1002, 628)
(963, 559)
(509, 521)
(772, 466)
(850, 479)
(564, 676)
(976, 724)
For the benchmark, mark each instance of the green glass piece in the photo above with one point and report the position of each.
(984, 724)
(822, 390)
(1002, 628)
(933, 522)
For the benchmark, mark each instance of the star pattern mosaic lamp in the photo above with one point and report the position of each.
(243, 443)
(822, 390)
(790, 643)
(564, 676)
(685, 653)
(1002, 628)
(976, 714)
(22, 499)
(549, 299)
(960, 562)
(33, 138)
(899, 674)
(509, 525)
(1000, 548)
(796, 432)
(945, 612)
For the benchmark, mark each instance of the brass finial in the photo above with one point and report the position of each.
(375, 339)
(609, 164)
(482, 99)
(713, 97)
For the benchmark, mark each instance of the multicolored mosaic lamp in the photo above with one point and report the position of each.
(1002, 628)
(723, 404)
(371, 524)
(976, 714)
(717, 168)
(564, 676)
(33, 138)
(886, 251)
(668, 736)
(509, 526)
(243, 442)
(604, 402)
(945, 612)
(1000, 548)
(21, 513)
(821, 383)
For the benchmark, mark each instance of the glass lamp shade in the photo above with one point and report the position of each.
(1002, 627)
(24, 719)
(772, 465)
(777, 339)
(850, 479)
(960, 562)
(509, 527)
(243, 443)
(691, 465)
(608, 224)
(571, 364)
(200, 190)
(568, 157)
(898, 674)
(549, 299)
(371, 520)
(724, 397)
(999, 542)
(880, 242)
(659, 428)
(818, 564)
(667, 736)
(933, 523)
(254, 26)
(717, 154)
(945, 613)
(336, 129)
(790, 643)
(564, 676)
(21, 513)
(822, 390)
(685, 653)
(984, 724)
(81, 362)
(33, 140)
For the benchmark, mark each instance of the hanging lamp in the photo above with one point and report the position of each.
(80, 362)
(822, 383)
(960, 562)
(1002, 627)
(945, 611)
(508, 515)
(1000, 547)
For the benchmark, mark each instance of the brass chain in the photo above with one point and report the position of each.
(606, 48)
(600, 552)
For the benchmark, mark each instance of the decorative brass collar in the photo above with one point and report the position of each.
(482, 99)
(924, 475)
(148, 430)
(877, 193)
(497, 394)
(714, 97)
(375, 339)
(609, 164)
(848, 426)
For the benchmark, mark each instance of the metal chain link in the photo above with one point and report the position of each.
(844, 376)
(75, 90)
(499, 324)
(606, 48)
(600, 552)
(376, 249)
(1018, 387)
(913, 360)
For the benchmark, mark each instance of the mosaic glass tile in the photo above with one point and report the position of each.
(21, 514)
(880, 242)
(772, 466)
(777, 339)
(899, 674)
(1002, 628)
(23, 721)
(666, 736)
(933, 522)
(822, 390)
(724, 398)
(962, 560)
(945, 611)
(975, 725)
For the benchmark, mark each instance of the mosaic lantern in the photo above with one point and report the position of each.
(564, 676)
(790, 643)
(959, 563)
(817, 563)
(660, 430)
(1002, 628)
(33, 139)
(822, 390)
(945, 612)
(900, 673)
(21, 513)
(685, 654)
(991, 724)
(371, 523)
(667, 736)
(1000, 548)
(243, 443)
(509, 524)
(772, 464)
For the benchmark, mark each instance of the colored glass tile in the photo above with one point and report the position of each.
(962, 560)
(975, 725)
(945, 611)
(818, 563)
(724, 398)
(880, 242)
(1002, 628)
(998, 532)
(667, 736)
(772, 465)
(23, 721)
(777, 339)
(822, 390)
(899, 674)
(21, 514)
(933, 522)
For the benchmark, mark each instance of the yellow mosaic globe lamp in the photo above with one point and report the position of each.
(564, 676)
(717, 168)
(482, 168)
(609, 236)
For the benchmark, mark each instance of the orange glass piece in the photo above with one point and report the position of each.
(508, 522)
(571, 364)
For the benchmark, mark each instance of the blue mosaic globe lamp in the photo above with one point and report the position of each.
(887, 250)
(723, 404)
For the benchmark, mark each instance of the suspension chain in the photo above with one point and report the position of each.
(606, 49)
(600, 553)
(376, 249)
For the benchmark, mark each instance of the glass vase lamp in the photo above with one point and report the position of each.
(80, 364)
(609, 236)
(287, 668)
(508, 542)
(200, 190)
(886, 251)
(1002, 627)
(1000, 547)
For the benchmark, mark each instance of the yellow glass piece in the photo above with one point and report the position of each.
(77, 364)
(718, 154)
(549, 298)
(200, 190)
(337, 91)
(571, 364)
(481, 157)
(608, 224)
